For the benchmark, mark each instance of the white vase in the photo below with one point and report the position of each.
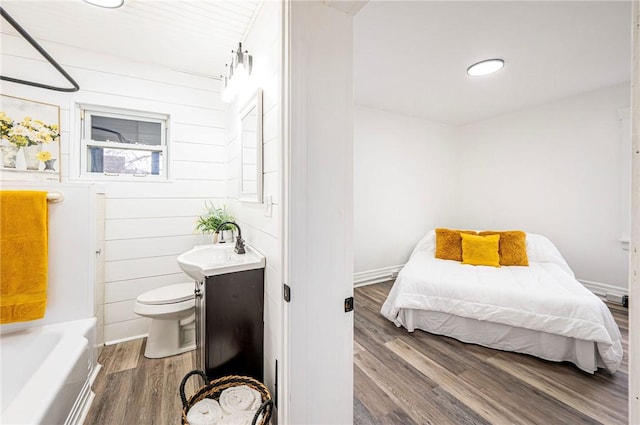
(31, 156)
(9, 154)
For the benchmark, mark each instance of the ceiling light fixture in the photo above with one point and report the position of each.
(239, 71)
(485, 67)
(109, 4)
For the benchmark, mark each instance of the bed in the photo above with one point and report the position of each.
(541, 309)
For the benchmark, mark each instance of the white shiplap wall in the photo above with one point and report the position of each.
(148, 224)
(259, 230)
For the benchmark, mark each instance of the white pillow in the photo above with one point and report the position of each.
(541, 250)
(427, 244)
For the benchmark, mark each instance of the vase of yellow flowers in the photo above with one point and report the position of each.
(45, 158)
(28, 135)
(8, 149)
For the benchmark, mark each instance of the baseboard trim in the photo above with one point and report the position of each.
(604, 290)
(130, 338)
(369, 277)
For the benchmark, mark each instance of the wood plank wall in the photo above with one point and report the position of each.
(147, 223)
(262, 231)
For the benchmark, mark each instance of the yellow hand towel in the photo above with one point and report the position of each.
(23, 255)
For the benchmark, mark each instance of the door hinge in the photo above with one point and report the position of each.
(348, 304)
(286, 292)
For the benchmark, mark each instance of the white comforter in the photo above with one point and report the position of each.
(544, 297)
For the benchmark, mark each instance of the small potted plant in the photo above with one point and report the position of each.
(212, 218)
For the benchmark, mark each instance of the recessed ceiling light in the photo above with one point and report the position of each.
(485, 67)
(111, 4)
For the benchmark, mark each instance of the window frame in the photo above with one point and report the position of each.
(85, 112)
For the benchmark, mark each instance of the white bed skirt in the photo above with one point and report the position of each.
(583, 354)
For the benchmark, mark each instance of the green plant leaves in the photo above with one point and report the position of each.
(212, 218)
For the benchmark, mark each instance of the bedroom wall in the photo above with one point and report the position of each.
(148, 224)
(557, 170)
(262, 229)
(402, 187)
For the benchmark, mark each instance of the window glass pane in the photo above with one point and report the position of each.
(124, 161)
(125, 131)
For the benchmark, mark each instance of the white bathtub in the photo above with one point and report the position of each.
(46, 373)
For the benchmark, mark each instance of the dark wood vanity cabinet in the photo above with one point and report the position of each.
(230, 324)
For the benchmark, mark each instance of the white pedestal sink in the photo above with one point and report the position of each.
(216, 259)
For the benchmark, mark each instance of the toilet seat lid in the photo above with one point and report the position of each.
(168, 294)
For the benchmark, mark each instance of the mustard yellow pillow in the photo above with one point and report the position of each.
(449, 243)
(513, 247)
(480, 250)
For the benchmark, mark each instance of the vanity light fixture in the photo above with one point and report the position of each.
(485, 67)
(238, 72)
(226, 93)
(109, 4)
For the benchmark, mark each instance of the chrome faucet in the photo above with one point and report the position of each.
(239, 249)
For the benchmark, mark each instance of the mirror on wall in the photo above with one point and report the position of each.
(251, 150)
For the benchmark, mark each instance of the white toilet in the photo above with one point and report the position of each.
(171, 309)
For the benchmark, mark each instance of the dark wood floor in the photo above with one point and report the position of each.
(400, 378)
(131, 389)
(420, 378)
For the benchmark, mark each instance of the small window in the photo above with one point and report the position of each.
(117, 142)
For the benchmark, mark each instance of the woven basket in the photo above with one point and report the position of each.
(214, 388)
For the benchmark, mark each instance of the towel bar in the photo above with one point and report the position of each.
(55, 197)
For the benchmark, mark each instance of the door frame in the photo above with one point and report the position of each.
(317, 128)
(634, 260)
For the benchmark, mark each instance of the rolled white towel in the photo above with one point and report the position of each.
(240, 398)
(205, 412)
(238, 418)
